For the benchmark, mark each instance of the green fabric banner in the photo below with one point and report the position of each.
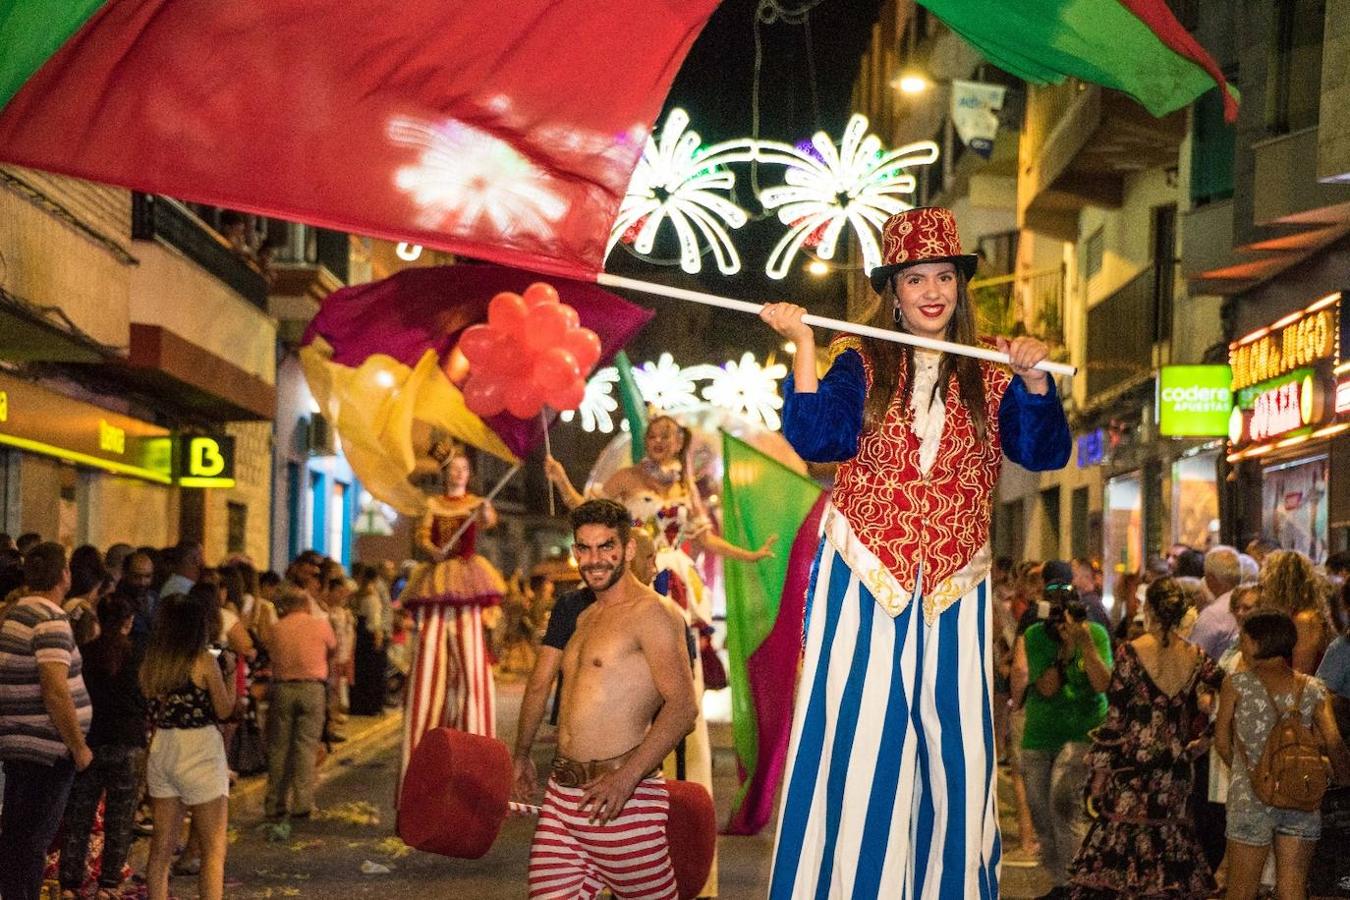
(761, 498)
(1101, 41)
(31, 31)
(634, 407)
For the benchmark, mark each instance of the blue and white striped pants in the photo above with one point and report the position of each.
(889, 790)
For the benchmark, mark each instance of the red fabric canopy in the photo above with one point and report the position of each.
(504, 131)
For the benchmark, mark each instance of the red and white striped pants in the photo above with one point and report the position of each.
(574, 858)
(450, 680)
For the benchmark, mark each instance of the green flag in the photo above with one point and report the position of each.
(634, 407)
(761, 498)
(31, 31)
(1135, 46)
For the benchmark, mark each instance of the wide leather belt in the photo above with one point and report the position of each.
(571, 773)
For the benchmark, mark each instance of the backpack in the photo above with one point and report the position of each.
(1293, 772)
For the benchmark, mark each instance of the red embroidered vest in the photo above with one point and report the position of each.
(443, 527)
(907, 519)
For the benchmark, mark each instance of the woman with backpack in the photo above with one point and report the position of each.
(1275, 728)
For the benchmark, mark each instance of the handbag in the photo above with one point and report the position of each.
(247, 752)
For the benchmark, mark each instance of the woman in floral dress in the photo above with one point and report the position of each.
(1142, 842)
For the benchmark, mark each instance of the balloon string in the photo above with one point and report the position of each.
(548, 451)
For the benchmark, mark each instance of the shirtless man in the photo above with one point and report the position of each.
(628, 698)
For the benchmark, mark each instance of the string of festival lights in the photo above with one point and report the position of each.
(744, 386)
(827, 189)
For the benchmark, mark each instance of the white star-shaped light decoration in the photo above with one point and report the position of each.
(466, 177)
(667, 386)
(678, 181)
(749, 389)
(745, 388)
(598, 404)
(857, 184)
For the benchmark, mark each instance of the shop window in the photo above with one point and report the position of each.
(1122, 529)
(236, 528)
(1294, 504)
(1195, 500)
(1295, 85)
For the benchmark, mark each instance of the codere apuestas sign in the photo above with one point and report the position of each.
(1194, 401)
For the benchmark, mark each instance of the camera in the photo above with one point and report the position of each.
(1061, 604)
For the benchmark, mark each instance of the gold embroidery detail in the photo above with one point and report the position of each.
(889, 594)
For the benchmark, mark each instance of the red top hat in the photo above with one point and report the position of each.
(923, 235)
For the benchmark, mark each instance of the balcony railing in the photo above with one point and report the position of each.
(294, 243)
(1123, 329)
(161, 218)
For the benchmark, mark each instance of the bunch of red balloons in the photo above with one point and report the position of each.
(531, 353)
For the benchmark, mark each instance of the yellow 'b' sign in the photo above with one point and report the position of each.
(205, 460)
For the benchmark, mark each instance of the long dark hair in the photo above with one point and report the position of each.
(888, 358)
(182, 631)
(87, 571)
(109, 651)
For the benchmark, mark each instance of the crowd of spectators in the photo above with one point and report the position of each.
(142, 682)
(1132, 729)
(1131, 724)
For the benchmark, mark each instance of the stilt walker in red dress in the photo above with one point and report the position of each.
(450, 681)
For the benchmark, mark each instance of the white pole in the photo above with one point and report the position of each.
(885, 334)
(548, 451)
(464, 526)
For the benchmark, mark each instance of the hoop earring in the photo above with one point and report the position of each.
(895, 314)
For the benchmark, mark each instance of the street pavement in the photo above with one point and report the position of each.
(353, 830)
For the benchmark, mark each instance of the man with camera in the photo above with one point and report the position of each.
(1069, 666)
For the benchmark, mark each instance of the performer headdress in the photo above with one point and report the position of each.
(443, 450)
(923, 235)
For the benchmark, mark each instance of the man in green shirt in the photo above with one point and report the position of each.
(1069, 666)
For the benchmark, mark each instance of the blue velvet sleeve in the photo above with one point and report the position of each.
(1033, 429)
(824, 426)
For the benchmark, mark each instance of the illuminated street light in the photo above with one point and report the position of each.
(817, 268)
(912, 83)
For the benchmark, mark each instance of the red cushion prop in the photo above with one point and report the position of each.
(454, 794)
(692, 832)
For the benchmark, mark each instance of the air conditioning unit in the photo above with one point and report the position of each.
(321, 440)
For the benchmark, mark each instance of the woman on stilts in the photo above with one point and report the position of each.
(450, 681)
(890, 783)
